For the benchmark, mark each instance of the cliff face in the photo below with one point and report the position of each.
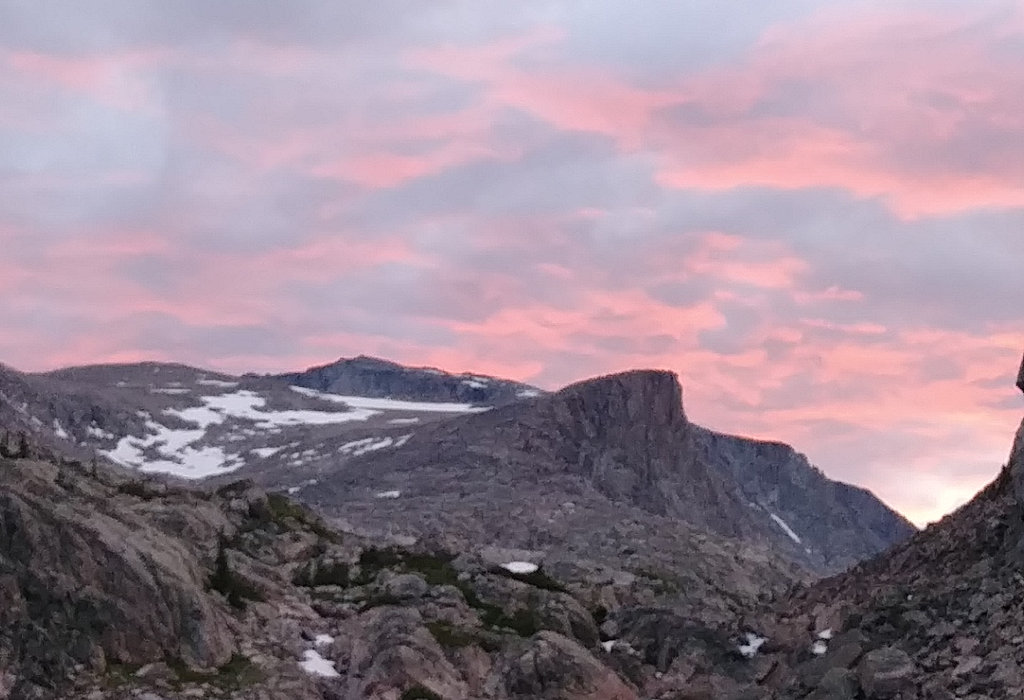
(623, 443)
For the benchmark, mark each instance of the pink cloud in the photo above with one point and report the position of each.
(118, 80)
(577, 99)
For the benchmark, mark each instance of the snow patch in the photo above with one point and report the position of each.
(527, 393)
(786, 528)
(361, 447)
(754, 643)
(176, 448)
(825, 634)
(819, 648)
(59, 430)
(95, 431)
(316, 665)
(374, 404)
(265, 452)
(474, 384)
(609, 645)
(217, 382)
(323, 639)
(169, 390)
(387, 494)
(295, 489)
(520, 567)
(403, 421)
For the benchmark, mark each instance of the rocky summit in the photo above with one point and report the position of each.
(372, 376)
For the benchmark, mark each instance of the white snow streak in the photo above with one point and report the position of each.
(520, 567)
(786, 528)
(392, 404)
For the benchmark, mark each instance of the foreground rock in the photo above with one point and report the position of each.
(937, 617)
(114, 587)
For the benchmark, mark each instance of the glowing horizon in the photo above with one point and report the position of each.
(811, 211)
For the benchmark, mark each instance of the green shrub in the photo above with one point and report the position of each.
(436, 569)
(139, 489)
(238, 672)
(450, 637)
(315, 573)
(418, 692)
(228, 584)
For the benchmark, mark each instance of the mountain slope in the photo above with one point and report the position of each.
(840, 524)
(193, 423)
(621, 441)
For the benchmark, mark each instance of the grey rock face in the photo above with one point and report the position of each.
(885, 673)
(393, 651)
(82, 578)
(553, 667)
(370, 376)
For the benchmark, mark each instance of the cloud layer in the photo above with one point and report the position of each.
(812, 211)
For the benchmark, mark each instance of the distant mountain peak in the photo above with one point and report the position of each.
(369, 376)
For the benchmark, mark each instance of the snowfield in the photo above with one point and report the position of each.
(392, 404)
(181, 443)
(175, 450)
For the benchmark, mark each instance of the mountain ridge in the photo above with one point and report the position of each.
(625, 435)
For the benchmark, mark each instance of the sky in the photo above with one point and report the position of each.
(812, 211)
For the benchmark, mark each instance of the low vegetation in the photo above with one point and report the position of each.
(418, 692)
(226, 582)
